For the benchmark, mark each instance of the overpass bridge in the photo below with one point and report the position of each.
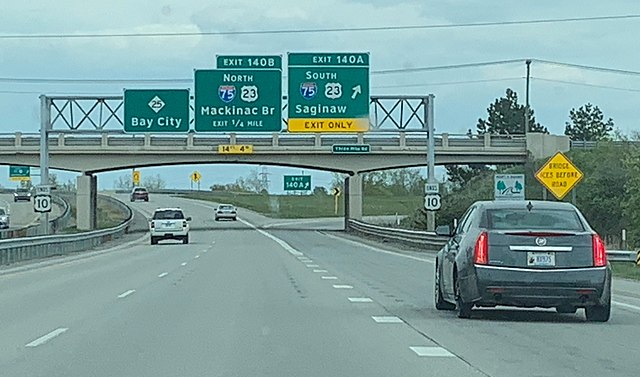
(85, 134)
(95, 152)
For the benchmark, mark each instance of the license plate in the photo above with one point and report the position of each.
(541, 259)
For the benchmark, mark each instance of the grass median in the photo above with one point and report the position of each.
(625, 270)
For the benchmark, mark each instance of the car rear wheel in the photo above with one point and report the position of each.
(154, 240)
(598, 313)
(185, 239)
(464, 308)
(441, 304)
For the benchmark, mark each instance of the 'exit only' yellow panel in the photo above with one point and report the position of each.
(329, 125)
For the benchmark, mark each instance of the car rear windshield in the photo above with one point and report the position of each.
(226, 207)
(2, 212)
(522, 219)
(168, 215)
(140, 190)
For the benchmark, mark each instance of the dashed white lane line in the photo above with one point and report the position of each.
(163, 274)
(342, 286)
(360, 299)
(431, 351)
(386, 319)
(127, 293)
(626, 306)
(45, 338)
(321, 271)
(313, 266)
(378, 250)
(196, 257)
(329, 278)
(183, 264)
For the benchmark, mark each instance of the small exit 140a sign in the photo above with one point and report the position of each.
(297, 182)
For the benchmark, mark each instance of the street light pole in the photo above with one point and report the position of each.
(526, 109)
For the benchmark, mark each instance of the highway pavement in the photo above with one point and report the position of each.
(248, 299)
(21, 213)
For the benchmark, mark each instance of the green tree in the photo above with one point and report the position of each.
(460, 175)
(587, 123)
(320, 190)
(506, 117)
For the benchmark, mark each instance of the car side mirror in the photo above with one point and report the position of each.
(189, 218)
(443, 230)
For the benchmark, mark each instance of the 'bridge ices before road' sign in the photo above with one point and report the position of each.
(559, 175)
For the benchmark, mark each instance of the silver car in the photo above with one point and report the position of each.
(4, 219)
(226, 211)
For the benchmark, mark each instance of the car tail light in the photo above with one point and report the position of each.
(481, 252)
(153, 225)
(599, 252)
(184, 223)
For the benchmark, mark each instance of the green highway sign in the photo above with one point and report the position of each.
(238, 100)
(156, 110)
(19, 173)
(328, 92)
(297, 182)
(248, 62)
(351, 148)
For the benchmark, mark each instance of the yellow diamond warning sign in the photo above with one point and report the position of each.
(559, 175)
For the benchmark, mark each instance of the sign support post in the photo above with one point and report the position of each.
(45, 125)
(431, 156)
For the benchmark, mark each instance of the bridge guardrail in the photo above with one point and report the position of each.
(21, 249)
(431, 240)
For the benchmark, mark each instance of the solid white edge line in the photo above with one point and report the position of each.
(431, 351)
(627, 306)
(163, 274)
(127, 293)
(280, 242)
(378, 250)
(45, 338)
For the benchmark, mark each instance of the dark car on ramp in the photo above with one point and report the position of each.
(523, 254)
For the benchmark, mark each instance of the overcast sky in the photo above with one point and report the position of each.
(612, 44)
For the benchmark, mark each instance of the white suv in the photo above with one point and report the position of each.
(169, 224)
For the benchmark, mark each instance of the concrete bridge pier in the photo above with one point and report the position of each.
(353, 197)
(86, 202)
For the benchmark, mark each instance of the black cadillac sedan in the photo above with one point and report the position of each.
(523, 254)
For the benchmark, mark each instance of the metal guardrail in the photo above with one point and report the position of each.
(21, 249)
(431, 240)
(411, 237)
(622, 255)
